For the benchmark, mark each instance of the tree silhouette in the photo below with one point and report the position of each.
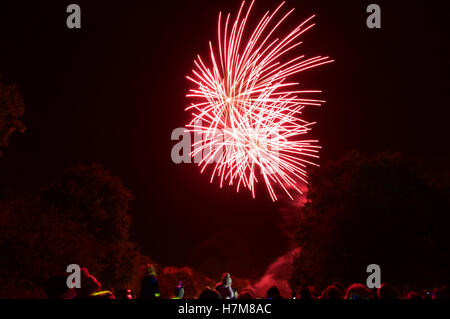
(92, 197)
(379, 210)
(80, 218)
(11, 111)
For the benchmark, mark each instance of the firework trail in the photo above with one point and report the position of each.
(247, 110)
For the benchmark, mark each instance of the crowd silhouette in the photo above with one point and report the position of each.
(91, 288)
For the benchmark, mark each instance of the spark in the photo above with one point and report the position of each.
(246, 107)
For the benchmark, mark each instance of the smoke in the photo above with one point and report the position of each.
(290, 210)
(277, 274)
(279, 271)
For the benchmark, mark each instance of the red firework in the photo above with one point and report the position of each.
(247, 110)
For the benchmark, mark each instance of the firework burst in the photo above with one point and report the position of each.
(247, 110)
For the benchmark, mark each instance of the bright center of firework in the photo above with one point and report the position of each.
(247, 106)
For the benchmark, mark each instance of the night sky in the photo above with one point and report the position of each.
(113, 91)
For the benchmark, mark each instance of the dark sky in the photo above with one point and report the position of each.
(113, 92)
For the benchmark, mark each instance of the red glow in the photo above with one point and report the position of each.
(249, 110)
